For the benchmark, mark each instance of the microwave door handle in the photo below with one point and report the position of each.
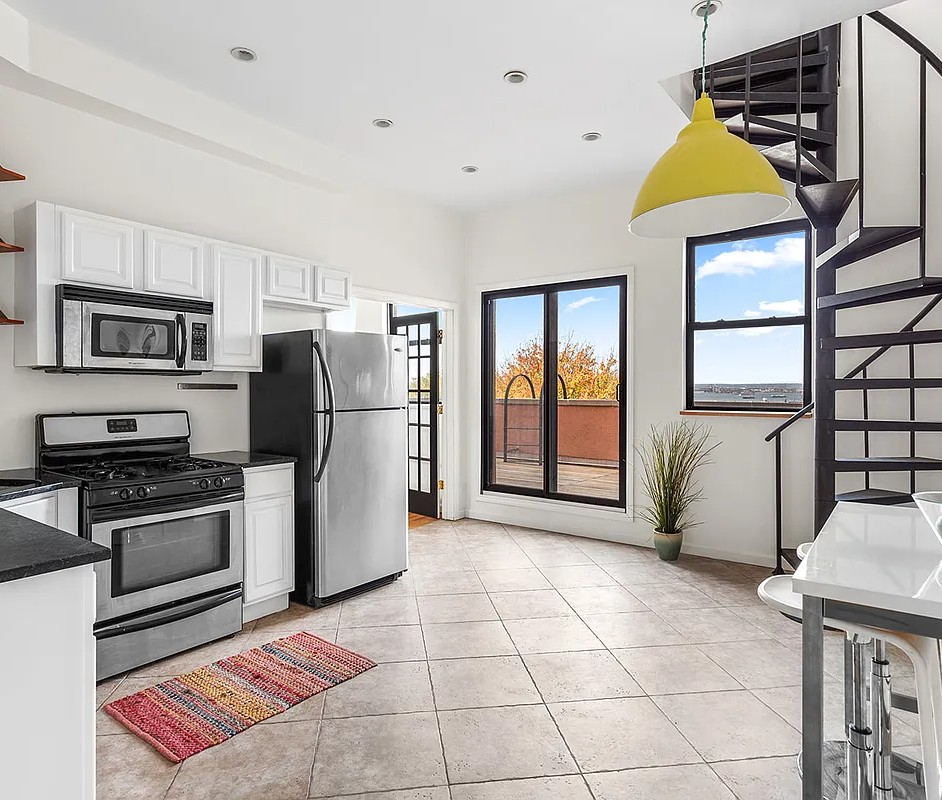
(331, 411)
(181, 341)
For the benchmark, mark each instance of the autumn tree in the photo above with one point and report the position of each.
(588, 375)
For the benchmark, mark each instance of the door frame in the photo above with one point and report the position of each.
(451, 498)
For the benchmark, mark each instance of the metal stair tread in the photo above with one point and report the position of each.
(883, 425)
(826, 203)
(858, 384)
(883, 293)
(867, 340)
(867, 242)
(886, 464)
(881, 497)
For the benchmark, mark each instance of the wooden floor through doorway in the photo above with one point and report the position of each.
(417, 520)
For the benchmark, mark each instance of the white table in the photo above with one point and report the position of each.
(877, 566)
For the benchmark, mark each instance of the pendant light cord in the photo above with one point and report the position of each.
(706, 24)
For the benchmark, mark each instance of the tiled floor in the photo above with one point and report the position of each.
(516, 665)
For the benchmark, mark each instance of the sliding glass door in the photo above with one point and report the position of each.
(554, 364)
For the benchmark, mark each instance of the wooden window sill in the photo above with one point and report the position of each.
(703, 412)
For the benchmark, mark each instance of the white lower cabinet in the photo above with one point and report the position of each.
(57, 509)
(269, 540)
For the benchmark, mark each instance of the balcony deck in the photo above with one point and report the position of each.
(580, 479)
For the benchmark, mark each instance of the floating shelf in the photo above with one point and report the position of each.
(10, 175)
(7, 321)
(9, 248)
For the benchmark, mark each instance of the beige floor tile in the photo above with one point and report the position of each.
(578, 576)
(267, 635)
(640, 573)
(105, 689)
(467, 640)
(394, 688)
(451, 582)
(786, 702)
(568, 787)
(429, 562)
(674, 670)
(758, 665)
(128, 768)
(762, 779)
(482, 682)
(435, 793)
(531, 604)
(740, 592)
(497, 743)
(382, 644)
(661, 783)
(602, 600)
(771, 622)
(368, 611)
(231, 770)
(588, 675)
(299, 617)
(551, 635)
(635, 629)
(544, 555)
(602, 552)
(513, 580)
(730, 725)
(509, 560)
(669, 597)
(708, 625)
(105, 724)
(621, 734)
(376, 754)
(456, 608)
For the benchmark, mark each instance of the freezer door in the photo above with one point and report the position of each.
(361, 501)
(368, 370)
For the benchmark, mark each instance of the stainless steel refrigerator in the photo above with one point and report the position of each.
(337, 402)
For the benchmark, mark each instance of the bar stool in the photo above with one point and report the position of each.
(776, 592)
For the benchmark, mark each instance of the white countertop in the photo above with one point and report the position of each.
(882, 557)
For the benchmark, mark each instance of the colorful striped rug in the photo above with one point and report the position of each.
(184, 716)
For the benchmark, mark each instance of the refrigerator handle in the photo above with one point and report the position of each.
(331, 411)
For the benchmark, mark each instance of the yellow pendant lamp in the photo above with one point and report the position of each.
(708, 181)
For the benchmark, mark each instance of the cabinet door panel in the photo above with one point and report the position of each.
(237, 308)
(290, 279)
(44, 509)
(269, 548)
(332, 286)
(96, 249)
(173, 263)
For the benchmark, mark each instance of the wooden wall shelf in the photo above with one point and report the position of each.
(7, 321)
(9, 248)
(10, 175)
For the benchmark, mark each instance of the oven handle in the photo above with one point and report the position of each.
(155, 507)
(331, 412)
(181, 338)
(168, 615)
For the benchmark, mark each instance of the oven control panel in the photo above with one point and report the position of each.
(198, 346)
(130, 493)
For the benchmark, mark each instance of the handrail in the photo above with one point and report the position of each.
(510, 384)
(790, 421)
(901, 33)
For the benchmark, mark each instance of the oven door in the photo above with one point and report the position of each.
(167, 555)
(128, 337)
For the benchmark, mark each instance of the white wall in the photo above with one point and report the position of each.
(389, 242)
(586, 233)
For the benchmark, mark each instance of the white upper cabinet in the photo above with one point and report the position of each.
(173, 263)
(237, 308)
(289, 279)
(332, 286)
(97, 249)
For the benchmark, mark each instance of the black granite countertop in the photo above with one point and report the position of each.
(24, 482)
(29, 548)
(248, 460)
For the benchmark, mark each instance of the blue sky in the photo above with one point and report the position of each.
(589, 314)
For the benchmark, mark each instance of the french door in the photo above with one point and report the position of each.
(554, 368)
(421, 331)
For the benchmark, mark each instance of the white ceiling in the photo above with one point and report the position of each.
(327, 69)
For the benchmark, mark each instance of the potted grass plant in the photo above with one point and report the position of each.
(670, 456)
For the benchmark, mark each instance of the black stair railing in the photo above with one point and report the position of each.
(533, 396)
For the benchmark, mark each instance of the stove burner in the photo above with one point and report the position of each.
(131, 470)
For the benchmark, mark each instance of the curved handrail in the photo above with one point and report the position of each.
(510, 384)
(901, 33)
(562, 381)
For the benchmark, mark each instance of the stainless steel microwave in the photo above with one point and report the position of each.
(99, 330)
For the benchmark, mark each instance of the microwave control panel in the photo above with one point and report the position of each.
(198, 346)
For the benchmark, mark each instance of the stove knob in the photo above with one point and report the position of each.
(204, 484)
(141, 492)
(218, 483)
(125, 494)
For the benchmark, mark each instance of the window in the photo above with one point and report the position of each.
(749, 319)
(567, 443)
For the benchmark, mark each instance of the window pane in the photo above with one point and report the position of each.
(750, 278)
(749, 366)
(588, 419)
(517, 457)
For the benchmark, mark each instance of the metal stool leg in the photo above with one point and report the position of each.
(881, 722)
(859, 735)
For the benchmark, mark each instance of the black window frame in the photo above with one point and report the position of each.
(550, 292)
(692, 326)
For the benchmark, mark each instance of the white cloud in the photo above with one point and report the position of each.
(751, 314)
(793, 307)
(583, 302)
(788, 252)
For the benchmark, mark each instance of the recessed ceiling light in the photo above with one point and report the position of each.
(700, 9)
(243, 54)
(591, 136)
(382, 123)
(469, 168)
(515, 76)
